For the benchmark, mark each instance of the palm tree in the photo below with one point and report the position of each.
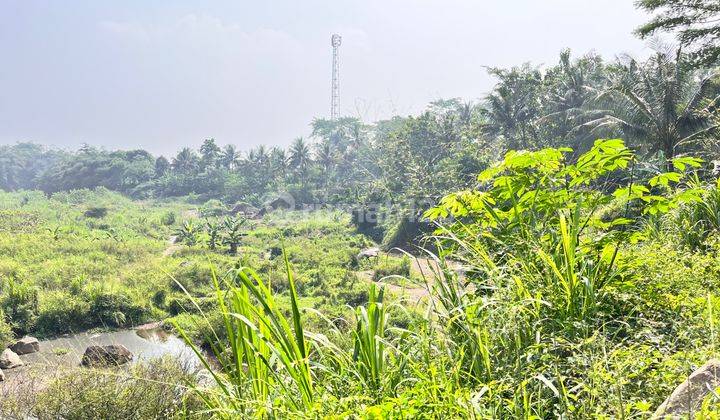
(278, 162)
(209, 153)
(229, 157)
(325, 155)
(300, 157)
(513, 106)
(663, 106)
(186, 161)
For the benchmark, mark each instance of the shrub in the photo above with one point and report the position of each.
(6, 334)
(390, 266)
(212, 208)
(112, 308)
(19, 302)
(168, 218)
(96, 212)
(156, 390)
(61, 312)
(159, 298)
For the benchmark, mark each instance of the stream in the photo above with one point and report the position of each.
(144, 343)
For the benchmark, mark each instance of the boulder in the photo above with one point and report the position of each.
(2, 376)
(9, 359)
(26, 345)
(112, 355)
(244, 209)
(686, 399)
(368, 253)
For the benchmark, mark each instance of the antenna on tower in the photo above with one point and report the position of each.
(335, 41)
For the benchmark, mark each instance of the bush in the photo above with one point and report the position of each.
(212, 208)
(6, 334)
(96, 212)
(116, 309)
(168, 218)
(159, 298)
(61, 312)
(19, 302)
(156, 390)
(392, 267)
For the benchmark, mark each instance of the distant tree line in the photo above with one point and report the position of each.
(662, 107)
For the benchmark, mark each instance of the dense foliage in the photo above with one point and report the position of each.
(554, 275)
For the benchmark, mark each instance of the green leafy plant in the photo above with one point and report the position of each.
(233, 234)
(188, 233)
(369, 349)
(264, 348)
(212, 228)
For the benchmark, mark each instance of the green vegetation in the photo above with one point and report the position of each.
(155, 390)
(65, 270)
(565, 308)
(534, 264)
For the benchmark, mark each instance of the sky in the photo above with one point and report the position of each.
(162, 75)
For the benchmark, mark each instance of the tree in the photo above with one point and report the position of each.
(278, 162)
(233, 232)
(22, 165)
(300, 158)
(695, 22)
(162, 166)
(513, 106)
(567, 96)
(325, 156)
(209, 154)
(663, 105)
(186, 161)
(229, 157)
(90, 168)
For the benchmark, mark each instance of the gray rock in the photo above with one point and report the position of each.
(244, 209)
(112, 355)
(26, 345)
(368, 253)
(2, 376)
(687, 398)
(9, 359)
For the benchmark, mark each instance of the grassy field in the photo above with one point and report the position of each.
(64, 268)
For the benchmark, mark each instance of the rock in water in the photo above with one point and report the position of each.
(26, 345)
(9, 359)
(687, 398)
(112, 355)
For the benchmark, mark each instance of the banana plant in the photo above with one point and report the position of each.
(233, 234)
(188, 233)
(212, 227)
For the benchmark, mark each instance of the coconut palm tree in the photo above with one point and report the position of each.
(278, 162)
(300, 158)
(513, 107)
(662, 106)
(229, 157)
(186, 161)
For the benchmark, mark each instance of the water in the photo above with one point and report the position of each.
(145, 344)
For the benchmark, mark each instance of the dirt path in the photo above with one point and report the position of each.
(413, 292)
(423, 267)
(172, 246)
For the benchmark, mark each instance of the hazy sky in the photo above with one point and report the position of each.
(166, 74)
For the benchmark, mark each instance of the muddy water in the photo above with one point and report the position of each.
(145, 344)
